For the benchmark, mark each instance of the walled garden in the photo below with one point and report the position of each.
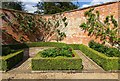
(38, 32)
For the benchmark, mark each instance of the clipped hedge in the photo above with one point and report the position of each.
(109, 51)
(45, 44)
(40, 44)
(7, 62)
(7, 51)
(57, 63)
(74, 46)
(107, 63)
(34, 44)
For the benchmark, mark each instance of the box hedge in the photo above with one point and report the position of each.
(9, 61)
(34, 44)
(107, 63)
(109, 51)
(74, 46)
(57, 63)
(40, 44)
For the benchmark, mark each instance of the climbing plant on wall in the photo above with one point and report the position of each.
(106, 30)
(41, 28)
(53, 27)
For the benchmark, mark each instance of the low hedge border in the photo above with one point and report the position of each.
(40, 44)
(34, 44)
(107, 63)
(74, 46)
(57, 63)
(9, 61)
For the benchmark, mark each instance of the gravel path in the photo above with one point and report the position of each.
(89, 65)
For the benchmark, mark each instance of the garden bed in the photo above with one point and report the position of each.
(61, 61)
(10, 60)
(107, 63)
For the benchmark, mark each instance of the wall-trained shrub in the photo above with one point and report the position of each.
(107, 63)
(9, 61)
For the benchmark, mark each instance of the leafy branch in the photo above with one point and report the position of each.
(107, 30)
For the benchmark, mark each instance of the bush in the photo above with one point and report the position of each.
(74, 46)
(111, 52)
(54, 52)
(57, 63)
(107, 63)
(16, 46)
(35, 44)
(45, 44)
(40, 44)
(7, 62)
(7, 50)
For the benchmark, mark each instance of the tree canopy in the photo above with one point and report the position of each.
(13, 5)
(54, 7)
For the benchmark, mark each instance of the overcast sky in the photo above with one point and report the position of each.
(82, 3)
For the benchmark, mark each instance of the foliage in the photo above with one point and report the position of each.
(34, 44)
(55, 27)
(40, 44)
(54, 52)
(13, 5)
(107, 63)
(9, 61)
(6, 51)
(74, 46)
(54, 7)
(107, 31)
(32, 26)
(57, 63)
(109, 51)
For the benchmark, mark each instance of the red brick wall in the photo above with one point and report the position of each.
(75, 17)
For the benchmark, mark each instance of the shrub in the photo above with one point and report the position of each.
(40, 44)
(111, 52)
(107, 63)
(45, 44)
(74, 46)
(16, 46)
(56, 63)
(54, 52)
(8, 61)
(7, 50)
(35, 44)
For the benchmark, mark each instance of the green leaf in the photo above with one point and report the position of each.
(65, 24)
(64, 19)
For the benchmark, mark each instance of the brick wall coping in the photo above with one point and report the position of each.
(61, 12)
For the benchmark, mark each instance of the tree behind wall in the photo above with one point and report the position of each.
(54, 7)
(13, 5)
